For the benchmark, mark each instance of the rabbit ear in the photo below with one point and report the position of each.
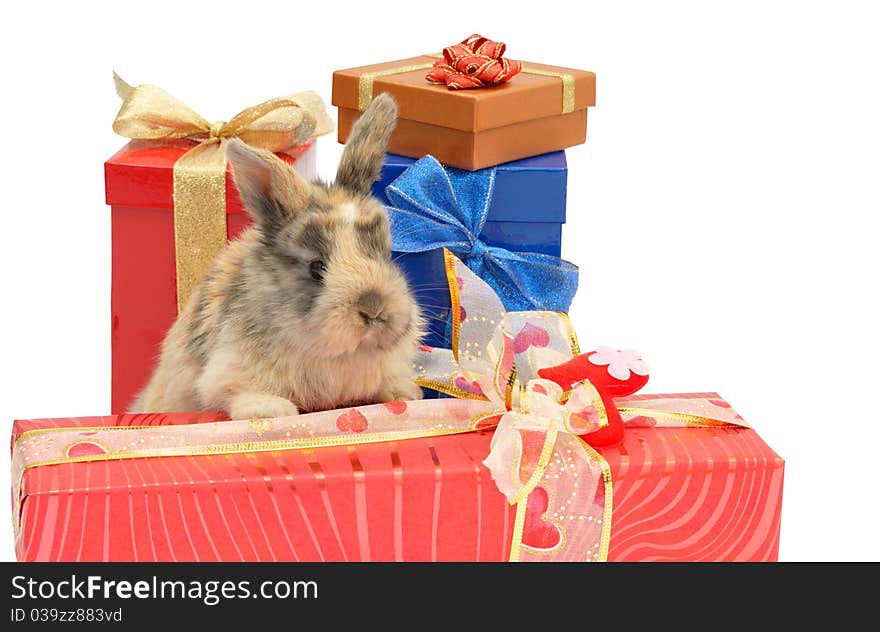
(271, 190)
(362, 158)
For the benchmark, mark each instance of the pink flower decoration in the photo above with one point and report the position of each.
(620, 362)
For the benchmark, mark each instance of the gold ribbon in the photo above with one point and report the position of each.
(567, 85)
(277, 125)
(366, 80)
(545, 409)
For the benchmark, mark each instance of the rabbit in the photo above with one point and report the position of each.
(306, 310)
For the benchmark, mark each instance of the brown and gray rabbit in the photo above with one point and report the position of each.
(306, 310)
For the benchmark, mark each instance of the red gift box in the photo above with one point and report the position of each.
(139, 190)
(679, 494)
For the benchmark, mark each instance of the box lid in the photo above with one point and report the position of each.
(525, 97)
(141, 174)
(528, 190)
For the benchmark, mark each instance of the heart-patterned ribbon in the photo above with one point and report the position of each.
(475, 62)
(552, 476)
(538, 459)
(150, 113)
(559, 402)
(494, 351)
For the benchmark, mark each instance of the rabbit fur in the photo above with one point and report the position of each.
(305, 311)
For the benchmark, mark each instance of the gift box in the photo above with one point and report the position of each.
(144, 300)
(527, 209)
(173, 206)
(539, 110)
(495, 220)
(525, 212)
(679, 494)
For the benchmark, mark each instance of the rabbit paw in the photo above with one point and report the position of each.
(401, 391)
(249, 404)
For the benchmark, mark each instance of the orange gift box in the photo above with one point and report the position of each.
(679, 494)
(541, 109)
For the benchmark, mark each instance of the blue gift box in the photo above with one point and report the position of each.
(526, 214)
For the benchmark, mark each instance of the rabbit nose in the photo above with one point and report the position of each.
(370, 305)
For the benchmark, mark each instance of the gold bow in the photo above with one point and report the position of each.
(277, 125)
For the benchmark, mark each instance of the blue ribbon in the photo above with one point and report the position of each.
(435, 207)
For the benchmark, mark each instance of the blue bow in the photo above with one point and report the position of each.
(436, 207)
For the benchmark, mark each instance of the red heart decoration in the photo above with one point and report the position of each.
(537, 532)
(530, 336)
(396, 408)
(351, 420)
(85, 448)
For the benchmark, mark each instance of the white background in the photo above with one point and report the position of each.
(723, 210)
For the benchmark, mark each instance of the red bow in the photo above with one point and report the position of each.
(476, 62)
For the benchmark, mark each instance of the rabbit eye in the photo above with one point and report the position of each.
(317, 269)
